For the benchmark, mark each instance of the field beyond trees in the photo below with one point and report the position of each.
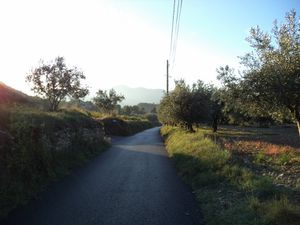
(240, 175)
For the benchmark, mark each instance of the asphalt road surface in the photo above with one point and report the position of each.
(134, 183)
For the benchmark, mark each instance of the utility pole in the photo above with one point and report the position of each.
(167, 77)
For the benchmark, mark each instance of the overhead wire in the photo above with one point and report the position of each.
(175, 31)
(172, 30)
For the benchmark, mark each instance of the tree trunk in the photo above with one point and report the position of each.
(53, 107)
(215, 125)
(298, 125)
(190, 127)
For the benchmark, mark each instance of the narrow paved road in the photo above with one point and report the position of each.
(133, 183)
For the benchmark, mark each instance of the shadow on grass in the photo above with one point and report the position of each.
(225, 191)
(282, 136)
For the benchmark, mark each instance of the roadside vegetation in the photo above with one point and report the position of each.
(237, 145)
(246, 182)
(124, 125)
(38, 147)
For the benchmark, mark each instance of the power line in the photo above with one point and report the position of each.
(174, 37)
(172, 30)
(175, 30)
(179, 7)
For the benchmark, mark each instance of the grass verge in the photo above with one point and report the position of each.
(229, 191)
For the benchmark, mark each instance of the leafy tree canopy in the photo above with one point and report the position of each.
(107, 101)
(55, 81)
(185, 105)
(270, 83)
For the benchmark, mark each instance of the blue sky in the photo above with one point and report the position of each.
(126, 42)
(215, 18)
(221, 24)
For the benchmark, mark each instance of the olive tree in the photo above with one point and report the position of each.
(54, 81)
(107, 101)
(270, 82)
(185, 105)
(272, 77)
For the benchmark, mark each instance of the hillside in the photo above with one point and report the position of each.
(9, 95)
(133, 96)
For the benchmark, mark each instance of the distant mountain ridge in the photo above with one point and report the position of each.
(134, 96)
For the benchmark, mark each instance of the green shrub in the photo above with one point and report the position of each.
(259, 157)
(283, 158)
(152, 118)
(276, 212)
(207, 178)
(281, 212)
(45, 146)
(120, 127)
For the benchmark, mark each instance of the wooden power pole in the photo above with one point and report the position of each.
(167, 77)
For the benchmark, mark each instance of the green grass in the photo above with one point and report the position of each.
(276, 212)
(228, 189)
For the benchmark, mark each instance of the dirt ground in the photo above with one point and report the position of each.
(285, 135)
